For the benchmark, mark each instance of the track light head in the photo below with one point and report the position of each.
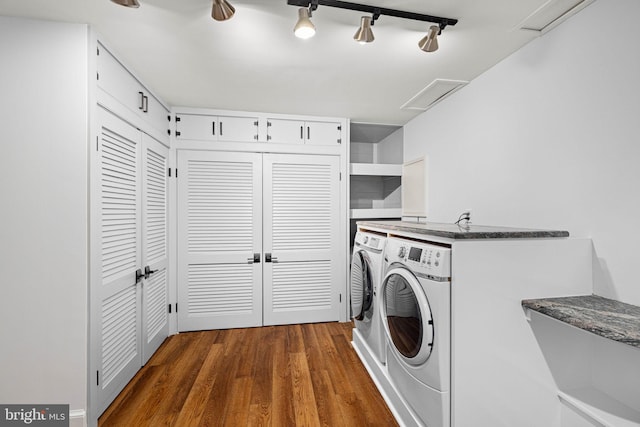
(429, 43)
(304, 28)
(222, 10)
(127, 3)
(364, 33)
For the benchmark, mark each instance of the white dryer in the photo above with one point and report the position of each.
(366, 273)
(415, 307)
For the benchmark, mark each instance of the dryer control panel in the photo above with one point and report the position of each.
(421, 257)
(369, 240)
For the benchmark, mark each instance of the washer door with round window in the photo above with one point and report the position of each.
(406, 315)
(361, 287)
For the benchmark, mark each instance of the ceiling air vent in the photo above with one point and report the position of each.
(437, 90)
(552, 13)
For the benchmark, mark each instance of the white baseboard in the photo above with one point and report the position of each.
(77, 418)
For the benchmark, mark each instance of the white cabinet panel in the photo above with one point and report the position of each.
(116, 81)
(285, 131)
(303, 132)
(195, 126)
(216, 128)
(323, 133)
(236, 129)
(155, 114)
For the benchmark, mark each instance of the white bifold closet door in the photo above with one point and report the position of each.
(155, 227)
(220, 230)
(257, 239)
(129, 310)
(301, 218)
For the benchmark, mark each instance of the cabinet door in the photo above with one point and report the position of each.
(214, 128)
(219, 232)
(155, 320)
(285, 131)
(195, 126)
(118, 292)
(237, 129)
(155, 114)
(114, 79)
(301, 196)
(323, 133)
(120, 84)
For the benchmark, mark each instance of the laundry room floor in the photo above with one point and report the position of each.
(293, 375)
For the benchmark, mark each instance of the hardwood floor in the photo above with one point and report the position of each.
(295, 375)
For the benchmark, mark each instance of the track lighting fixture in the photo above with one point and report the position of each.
(304, 28)
(127, 3)
(364, 33)
(222, 10)
(429, 43)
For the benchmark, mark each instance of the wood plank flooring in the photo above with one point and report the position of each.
(294, 375)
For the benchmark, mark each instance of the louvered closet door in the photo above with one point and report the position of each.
(118, 293)
(301, 218)
(219, 231)
(155, 321)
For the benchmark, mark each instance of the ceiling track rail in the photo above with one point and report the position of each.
(376, 11)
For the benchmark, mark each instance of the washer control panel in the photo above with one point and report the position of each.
(421, 257)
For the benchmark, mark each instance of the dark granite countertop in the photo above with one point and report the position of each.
(453, 231)
(605, 317)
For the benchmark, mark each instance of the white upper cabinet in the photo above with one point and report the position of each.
(304, 132)
(216, 128)
(124, 90)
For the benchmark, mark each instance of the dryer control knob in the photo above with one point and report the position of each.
(402, 252)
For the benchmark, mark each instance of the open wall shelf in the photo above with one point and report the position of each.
(375, 171)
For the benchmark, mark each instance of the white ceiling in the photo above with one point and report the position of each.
(253, 62)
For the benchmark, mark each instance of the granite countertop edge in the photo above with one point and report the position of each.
(604, 317)
(454, 231)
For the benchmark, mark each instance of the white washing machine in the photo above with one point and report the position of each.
(415, 308)
(366, 273)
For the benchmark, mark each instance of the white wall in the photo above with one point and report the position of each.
(390, 148)
(549, 138)
(43, 226)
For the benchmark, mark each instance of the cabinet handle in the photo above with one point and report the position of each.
(220, 128)
(213, 128)
(255, 259)
(301, 132)
(141, 107)
(139, 275)
(308, 133)
(145, 102)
